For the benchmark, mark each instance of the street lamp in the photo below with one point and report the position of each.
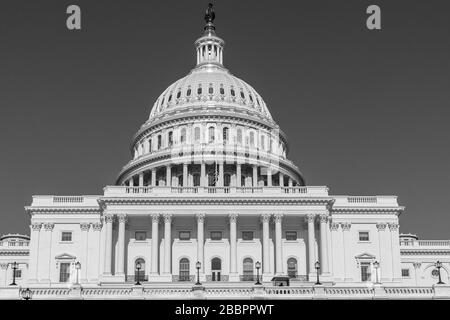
(14, 268)
(198, 265)
(439, 266)
(26, 294)
(77, 267)
(138, 273)
(376, 265)
(317, 265)
(258, 266)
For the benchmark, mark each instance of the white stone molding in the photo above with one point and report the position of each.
(48, 226)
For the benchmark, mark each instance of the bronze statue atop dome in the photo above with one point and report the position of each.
(209, 14)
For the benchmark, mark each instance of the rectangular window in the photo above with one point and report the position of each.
(18, 273)
(184, 235)
(66, 236)
(247, 235)
(405, 273)
(365, 271)
(291, 235)
(64, 272)
(216, 235)
(140, 235)
(363, 236)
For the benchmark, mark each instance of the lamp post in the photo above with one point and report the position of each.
(258, 266)
(14, 268)
(376, 265)
(317, 265)
(26, 294)
(198, 265)
(439, 266)
(77, 267)
(138, 273)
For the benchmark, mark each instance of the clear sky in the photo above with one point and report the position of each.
(366, 112)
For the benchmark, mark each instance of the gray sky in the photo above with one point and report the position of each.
(366, 112)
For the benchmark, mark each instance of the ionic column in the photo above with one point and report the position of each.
(255, 175)
(122, 218)
(281, 178)
(238, 175)
(167, 242)
(311, 240)
(108, 244)
(84, 227)
(141, 179)
(203, 181)
(269, 177)
(323, 244)
(154, 177)
(278, 244)
(265, 219)
(200, 240)
(168, 175)
(233, 243)
(185, 175)
(155, 244)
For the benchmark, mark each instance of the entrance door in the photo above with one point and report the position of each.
(216, 269)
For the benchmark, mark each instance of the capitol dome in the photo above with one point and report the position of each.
(210, 129)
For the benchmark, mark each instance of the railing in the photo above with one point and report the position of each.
(425, 243)
(362, 199)
(68, 199)
(14, 243)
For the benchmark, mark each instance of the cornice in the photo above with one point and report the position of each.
(23, 252)
(55, 210)
(368, 210)
(424, 252)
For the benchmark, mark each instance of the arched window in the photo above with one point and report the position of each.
(178, 94)
(188, 92)
(226, 180)
(263, 143)
(170, 138)
(292, 267)
(211, 133)
(197, 134)
(225, 134)
(242, 94)
(222, 90)
(232, 92)
(210, 90)
(170, 98)
(248, 269)
(216, 269)
(184, 270)
(141, 272)
(150, 144)
(183, 135)
(196, 178)
(252, 138)
(251, 98)
(159, 141)
(239, 136)
(199, 90)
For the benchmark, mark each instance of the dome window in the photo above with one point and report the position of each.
(251, 98)
(222, 90)
(211, 134)
(197, 134)
(199, 90)
(211, 90)
(178, 94)
(188, 92)
(225, 134)
(170, 98)
(183, 136)
(232, 92)
(239, 136)
(242, 94)
(162, 101)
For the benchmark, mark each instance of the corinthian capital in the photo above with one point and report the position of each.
(84, 226)
(233, 217)
(381, 226)
(277, 217)
(310, 218)
(97, 226)
(36, 226)
(334, 226)
(346, 226)
(122, 218)
(167, 218)
(200, 217)
(323, 218)
(155, 218)
(49, 226)
(265, 218)
(108, 218)
(393, 226)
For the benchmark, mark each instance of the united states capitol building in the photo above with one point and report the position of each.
(210, 196)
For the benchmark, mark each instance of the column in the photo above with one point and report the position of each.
(220, 180)
(203, 181)
(168, 175)
(265, 219)
(141, 179)
(84, 227)
(278, 245)
(200, 240)
(384, 259)
(34, 251)
(233, 244)
(348, 259)
(395, 249)
(108, 244)
(185, 175)
(45, 256)
(311, 241)
(416, 268)
(130, 182)
(290, 182)
(122, 218)
(94, 252)
(336, 251)
(281, 178)
(167, 242)
(255, 175)
(269, 177)
(323, 244)
(155, 244)
(154, 177)
(238, 175)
